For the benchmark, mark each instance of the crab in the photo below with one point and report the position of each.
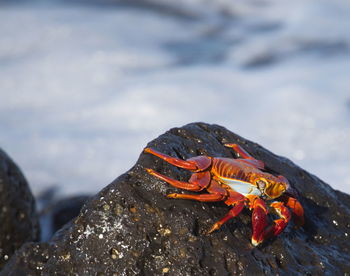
(241, 182)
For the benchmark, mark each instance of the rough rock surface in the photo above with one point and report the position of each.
(18, 219)
(131, 228)
(66, 209)
(55, 213)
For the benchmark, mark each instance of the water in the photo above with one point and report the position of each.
(85, 86)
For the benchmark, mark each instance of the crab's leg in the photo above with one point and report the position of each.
(238, 207)
(197, 182)
(235, 199)
(240, 151)
(202, 197)
(245, 155)
(297, 209)
(189, 165)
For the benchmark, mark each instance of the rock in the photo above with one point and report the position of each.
(56, 213)
(66, 209)
(131, 228)
(18, 218)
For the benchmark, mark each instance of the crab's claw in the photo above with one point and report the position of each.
(261, 230)
(259, 220)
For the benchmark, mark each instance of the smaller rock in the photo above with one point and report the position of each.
(19, 220)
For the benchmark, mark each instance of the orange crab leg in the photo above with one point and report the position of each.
(189, 165)
(197, 182)
(297, 209)
(242, 153)
(233, 198)
(245, 155)
(202, 197)
(231, 214)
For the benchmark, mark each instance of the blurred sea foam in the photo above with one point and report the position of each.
(86, 84)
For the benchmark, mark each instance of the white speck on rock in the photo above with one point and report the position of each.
(88, 231)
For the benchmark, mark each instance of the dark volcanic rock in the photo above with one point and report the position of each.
(55, 213)
(131, 228)
(66, 209)
(18, 219)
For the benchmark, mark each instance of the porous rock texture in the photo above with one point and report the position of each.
(132, 228)
(18, 218)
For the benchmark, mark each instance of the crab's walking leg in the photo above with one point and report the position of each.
(297, 209)
(240, 151)
(235, 199)
(261, 230)
(197, 182)
(189, 165)
(245, 155)
(216, 192)
(202, 197)
(238, 207)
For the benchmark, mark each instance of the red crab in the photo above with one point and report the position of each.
(238, 182)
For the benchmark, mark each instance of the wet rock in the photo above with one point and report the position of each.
(18, 219)
(131, 228)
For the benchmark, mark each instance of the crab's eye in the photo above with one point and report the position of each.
(261, 185)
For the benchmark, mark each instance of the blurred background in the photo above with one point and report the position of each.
(85, 85)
